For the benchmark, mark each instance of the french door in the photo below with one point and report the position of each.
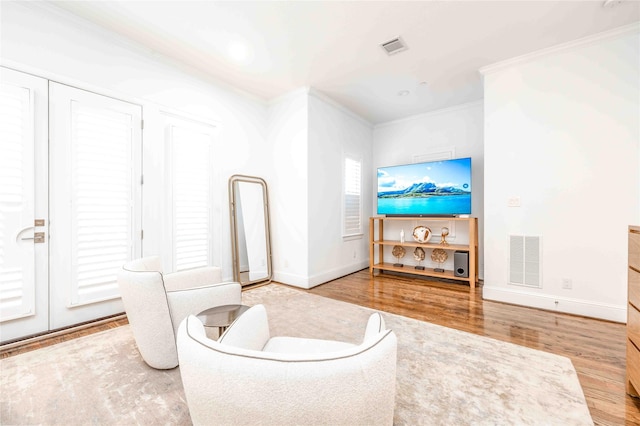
(94, 195)
(24, 248)
(70, 204)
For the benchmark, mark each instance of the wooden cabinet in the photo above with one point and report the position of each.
(378, 241)
(633, 314)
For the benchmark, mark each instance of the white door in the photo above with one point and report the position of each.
(87, 183)
(23, 205)
(95, 201)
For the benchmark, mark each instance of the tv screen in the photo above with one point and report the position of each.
(436, 188)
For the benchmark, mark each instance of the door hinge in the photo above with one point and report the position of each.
(141, 124)
(141, 179)
(141, 234)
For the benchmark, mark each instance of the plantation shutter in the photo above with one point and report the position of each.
(192, 171)
(17, 292)
(102, 194)
(352, 197)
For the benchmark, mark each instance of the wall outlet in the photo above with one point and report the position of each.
(354, 254)
(567, 284)
(513, 202)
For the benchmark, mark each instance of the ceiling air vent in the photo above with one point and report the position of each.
(394, 46)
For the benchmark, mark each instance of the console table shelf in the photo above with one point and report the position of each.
(461, 247)
(408, 269)
(376, 240)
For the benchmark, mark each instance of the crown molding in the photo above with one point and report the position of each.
(302, 91)
(549, 51)
(326, 99)
(308, 91)
(448, 110)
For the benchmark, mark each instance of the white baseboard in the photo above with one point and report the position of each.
(315, 280)
(337, 273)
(291, 279)
(548, 302)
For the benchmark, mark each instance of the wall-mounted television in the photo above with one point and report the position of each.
(435, 188)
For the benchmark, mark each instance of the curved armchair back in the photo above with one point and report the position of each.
(156, 304)
(145, 302)
(227, 384)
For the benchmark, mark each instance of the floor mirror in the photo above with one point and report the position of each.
(250, 233)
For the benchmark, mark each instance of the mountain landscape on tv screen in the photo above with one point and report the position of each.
(422, 190)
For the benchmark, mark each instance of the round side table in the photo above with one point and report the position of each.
(221, 317)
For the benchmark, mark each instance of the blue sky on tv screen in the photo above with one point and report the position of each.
(453, 173)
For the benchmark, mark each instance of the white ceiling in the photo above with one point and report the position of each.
(270, 48)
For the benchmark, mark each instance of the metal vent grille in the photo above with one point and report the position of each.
(524, 261)
(394, 46)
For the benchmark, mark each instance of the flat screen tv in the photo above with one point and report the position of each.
(435, 188)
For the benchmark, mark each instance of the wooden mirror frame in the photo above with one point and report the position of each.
(235, 208)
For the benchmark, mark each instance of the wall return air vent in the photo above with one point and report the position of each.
(394, 46)
(524, 260)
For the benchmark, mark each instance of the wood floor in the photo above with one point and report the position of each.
(596, 348)
(38, 342)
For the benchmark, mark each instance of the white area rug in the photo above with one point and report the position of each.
(445, 376)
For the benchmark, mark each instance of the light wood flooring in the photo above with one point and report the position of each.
(596, 348)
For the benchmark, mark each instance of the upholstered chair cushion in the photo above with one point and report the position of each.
(248, 377)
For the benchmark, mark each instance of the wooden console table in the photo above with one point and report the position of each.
(376, 240)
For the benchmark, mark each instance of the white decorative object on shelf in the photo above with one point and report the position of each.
(402, 236)
(422, 234)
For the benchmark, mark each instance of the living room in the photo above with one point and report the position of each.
(549, 128)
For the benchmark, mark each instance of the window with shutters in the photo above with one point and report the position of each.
(191, 171)
(16, 180)
(102, 194)
(95, 145)
(352, 197)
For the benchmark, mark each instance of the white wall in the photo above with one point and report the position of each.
(288, 141)
(562, 133)
(333, 132)
(308, 135)
(458, 129)
(57, 46)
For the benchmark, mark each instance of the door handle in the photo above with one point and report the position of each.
(38, 237)
(22, 231)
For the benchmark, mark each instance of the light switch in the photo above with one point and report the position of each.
(513, 202)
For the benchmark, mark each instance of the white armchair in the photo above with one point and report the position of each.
(156, 303)
(248, 377)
